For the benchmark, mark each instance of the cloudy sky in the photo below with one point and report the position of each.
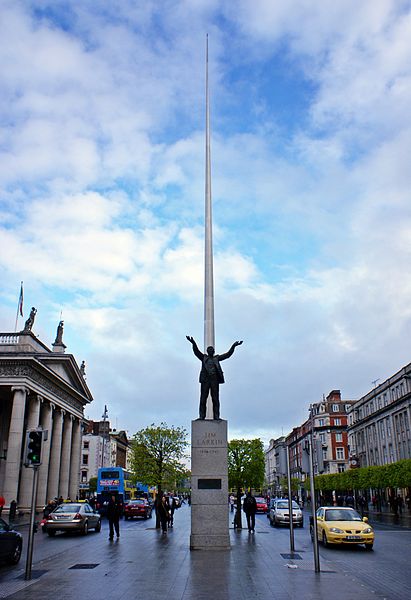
(102, 197)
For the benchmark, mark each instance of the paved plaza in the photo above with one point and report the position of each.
(144, 563)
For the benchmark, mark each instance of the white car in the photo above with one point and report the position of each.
(280, 513)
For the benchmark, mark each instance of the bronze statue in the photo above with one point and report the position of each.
(30, 321)
(211, 375)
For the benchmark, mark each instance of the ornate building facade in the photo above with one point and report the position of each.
(43, 388)
(380, 422)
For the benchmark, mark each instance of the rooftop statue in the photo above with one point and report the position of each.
(30, 321)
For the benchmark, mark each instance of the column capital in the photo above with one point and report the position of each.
(20, 388)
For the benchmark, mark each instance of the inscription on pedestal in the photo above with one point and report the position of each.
(209, 484)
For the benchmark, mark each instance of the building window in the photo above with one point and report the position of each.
(83, 476)
(341, 467)
(86, 445)
(321, 422)
(340, 453)
(337, 421)
(336, 408)
(85, 459)
(338, 437)
(347, 407)
(322, 437)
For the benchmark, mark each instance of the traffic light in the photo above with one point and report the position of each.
(33, 448)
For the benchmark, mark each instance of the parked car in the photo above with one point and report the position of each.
(73, 516)
(261, 505)
(11, 543)
(137, 508)
(342, 525)
(280, 515)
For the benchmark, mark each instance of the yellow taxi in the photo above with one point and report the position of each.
(342, 525)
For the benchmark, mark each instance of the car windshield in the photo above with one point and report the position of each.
(338, 514)
(260, 500)
(137, 502)
(68, 508)
(284, 505)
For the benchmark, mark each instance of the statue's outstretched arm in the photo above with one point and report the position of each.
(196, 351)
(230, 352)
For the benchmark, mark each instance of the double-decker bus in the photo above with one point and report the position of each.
(113, 481)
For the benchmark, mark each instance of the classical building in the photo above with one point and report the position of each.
(43, 388)
(379, 422)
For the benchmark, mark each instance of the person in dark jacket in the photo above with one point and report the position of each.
(250, 508)
(114, 511)
(162, 511)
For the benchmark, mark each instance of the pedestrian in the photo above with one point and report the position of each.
(172, 507)
(13, 508)
(114, 511)
(50, 506)
(400, 503)
(162, 511)
(250, 508)
(232, 499)
(2, 503)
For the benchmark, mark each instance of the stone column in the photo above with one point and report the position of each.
(75, 459)
(65, 457)
(55, 455)
(26, 479)
(46, 423)
(14, 445)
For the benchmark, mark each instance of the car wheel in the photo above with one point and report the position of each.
(275, 523)
(145, 517)
(14, 559)
(85, 529)
(324, 538)
(97, 528)
(51, 533)
(369, 547)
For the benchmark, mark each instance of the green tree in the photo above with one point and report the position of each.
(294, 484)
(92, 484)
(245, 468)
(157, 453)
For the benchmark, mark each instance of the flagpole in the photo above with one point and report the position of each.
(19, 307)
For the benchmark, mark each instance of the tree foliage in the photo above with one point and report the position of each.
(92, 484)
(396, 474)
(157, 452)
(294, 484)
(245, 463)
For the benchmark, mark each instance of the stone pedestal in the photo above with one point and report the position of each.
(209, 485)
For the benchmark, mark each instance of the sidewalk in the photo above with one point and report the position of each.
(144, 563)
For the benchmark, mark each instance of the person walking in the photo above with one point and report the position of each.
(250, 508)
(114, 510)
(2, 503)
(173, 505)
(162, 511)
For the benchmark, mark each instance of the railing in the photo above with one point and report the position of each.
(9, 338)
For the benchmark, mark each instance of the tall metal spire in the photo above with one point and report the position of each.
(209, 331)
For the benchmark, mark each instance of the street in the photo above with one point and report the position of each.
(146, 563)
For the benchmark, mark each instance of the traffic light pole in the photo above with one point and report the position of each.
(29, 559)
